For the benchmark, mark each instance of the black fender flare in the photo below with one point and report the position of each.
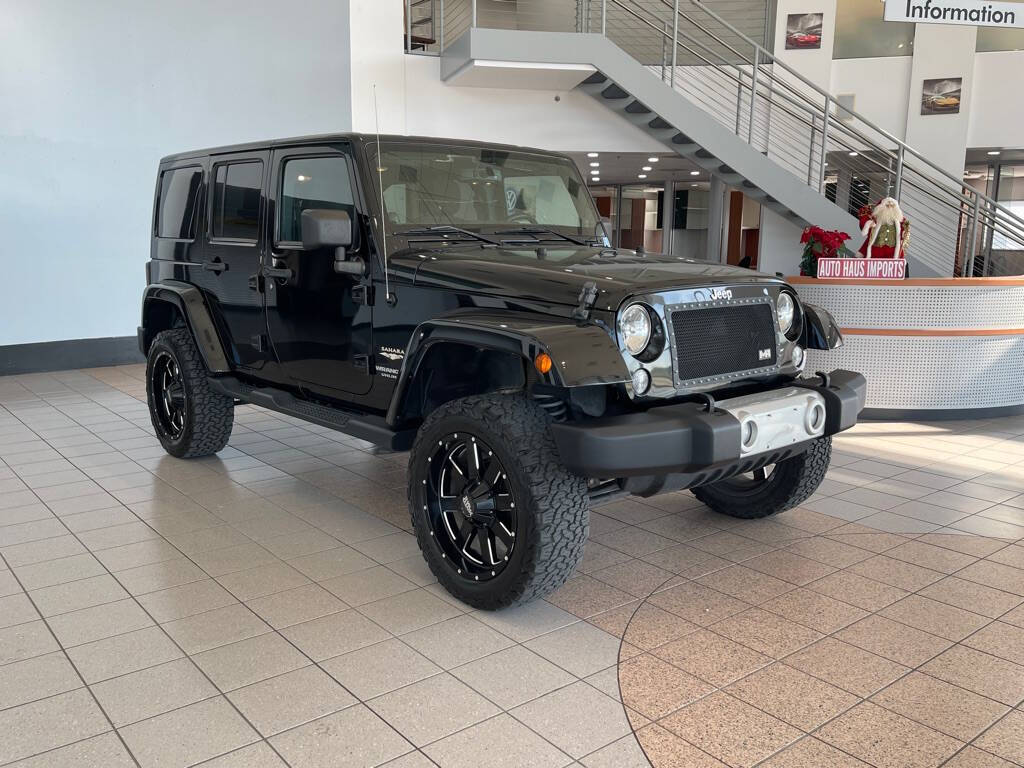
(189, 301)
(583, 354)
(820, 329)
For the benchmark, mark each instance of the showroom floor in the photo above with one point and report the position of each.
(269, 607)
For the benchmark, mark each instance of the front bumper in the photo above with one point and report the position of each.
(685, 438)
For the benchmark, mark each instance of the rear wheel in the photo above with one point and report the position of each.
(498, 518)
(190, 419)
(771, 489)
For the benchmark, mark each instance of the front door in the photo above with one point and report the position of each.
(319, 326)
(235, 242)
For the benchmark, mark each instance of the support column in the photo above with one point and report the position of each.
(716, 218)
(668, 210)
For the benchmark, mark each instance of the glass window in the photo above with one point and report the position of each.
(861, 32)
(312, 182)
(236, 200)
(483, 190)
(179, 193)
(999, 39)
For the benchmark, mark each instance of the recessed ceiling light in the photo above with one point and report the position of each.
(595, 179)
(646, 168)
(595, 165)
(695, 173)
(693, 185)
(595, 173)
(652, 159)
(591, 154)
(993, 152)
(642, 176)
(854, 154)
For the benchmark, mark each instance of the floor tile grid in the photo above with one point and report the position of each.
(988, 621)
(185, 654)
(181, 650)
(81, 679)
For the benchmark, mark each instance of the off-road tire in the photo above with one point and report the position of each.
(553, 517)
(209, 415)
(791, 484)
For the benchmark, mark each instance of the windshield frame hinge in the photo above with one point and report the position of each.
(588, 295)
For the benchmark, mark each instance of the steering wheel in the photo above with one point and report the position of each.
(521, 218)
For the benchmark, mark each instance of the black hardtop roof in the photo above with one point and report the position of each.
(325, 138)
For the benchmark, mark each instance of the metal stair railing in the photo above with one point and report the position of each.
(835, 151)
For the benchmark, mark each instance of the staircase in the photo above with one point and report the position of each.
(704, 88)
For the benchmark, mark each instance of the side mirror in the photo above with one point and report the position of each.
(324, 228)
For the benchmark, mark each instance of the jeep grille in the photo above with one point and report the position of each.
(723, 341)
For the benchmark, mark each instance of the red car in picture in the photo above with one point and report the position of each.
(803, 40)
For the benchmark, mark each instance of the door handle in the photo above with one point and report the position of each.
(282, 272)
(215, 266)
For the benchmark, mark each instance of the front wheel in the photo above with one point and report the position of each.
(498, 518)
(772, 489)
(190, 418)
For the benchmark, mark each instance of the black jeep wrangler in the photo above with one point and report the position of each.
(461, 300)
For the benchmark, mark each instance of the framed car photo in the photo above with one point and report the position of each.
(941, 96)
(803, 31)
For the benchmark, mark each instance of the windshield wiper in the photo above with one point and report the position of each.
(443, 229)
(538, 230)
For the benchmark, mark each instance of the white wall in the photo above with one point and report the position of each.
(941, 51)
(881, 87)
(94, 94)
(997, 112)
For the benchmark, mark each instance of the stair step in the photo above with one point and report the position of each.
(595, 79)
(614, 92)
(660, 124)
(637, 108)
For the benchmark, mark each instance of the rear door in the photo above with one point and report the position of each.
(235, 246)
(320, 321)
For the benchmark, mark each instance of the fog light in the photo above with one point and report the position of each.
(815, 418)
(798, 356)
(749, 434)
(641, 381)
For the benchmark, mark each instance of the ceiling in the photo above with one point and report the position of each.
(626, 167)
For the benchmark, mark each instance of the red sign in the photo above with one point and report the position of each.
(862, 269)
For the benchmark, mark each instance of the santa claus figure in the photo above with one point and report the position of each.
(886, 231)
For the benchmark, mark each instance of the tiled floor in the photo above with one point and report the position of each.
(268, 607)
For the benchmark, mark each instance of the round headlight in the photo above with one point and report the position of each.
(785, 309)
(635, 328)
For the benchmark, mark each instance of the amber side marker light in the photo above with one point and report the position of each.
(542, 362)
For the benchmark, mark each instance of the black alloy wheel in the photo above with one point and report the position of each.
(168, 389)
(470, 507)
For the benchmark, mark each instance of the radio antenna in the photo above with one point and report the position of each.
(380, 184)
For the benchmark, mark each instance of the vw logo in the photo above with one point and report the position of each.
(511, 199)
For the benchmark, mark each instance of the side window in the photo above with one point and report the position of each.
(236, 200)
(312, 182)
(177, 207)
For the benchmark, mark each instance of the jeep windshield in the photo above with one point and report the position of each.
(447, 192)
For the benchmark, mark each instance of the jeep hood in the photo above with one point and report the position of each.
(559, 273)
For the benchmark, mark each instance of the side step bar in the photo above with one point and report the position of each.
(367, 427)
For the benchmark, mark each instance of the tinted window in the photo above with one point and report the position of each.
(236, 200)
(312, 182)
(179, 193)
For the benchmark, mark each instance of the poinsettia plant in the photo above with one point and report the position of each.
(822, 244)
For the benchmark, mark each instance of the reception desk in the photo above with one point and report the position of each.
(930, 348)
